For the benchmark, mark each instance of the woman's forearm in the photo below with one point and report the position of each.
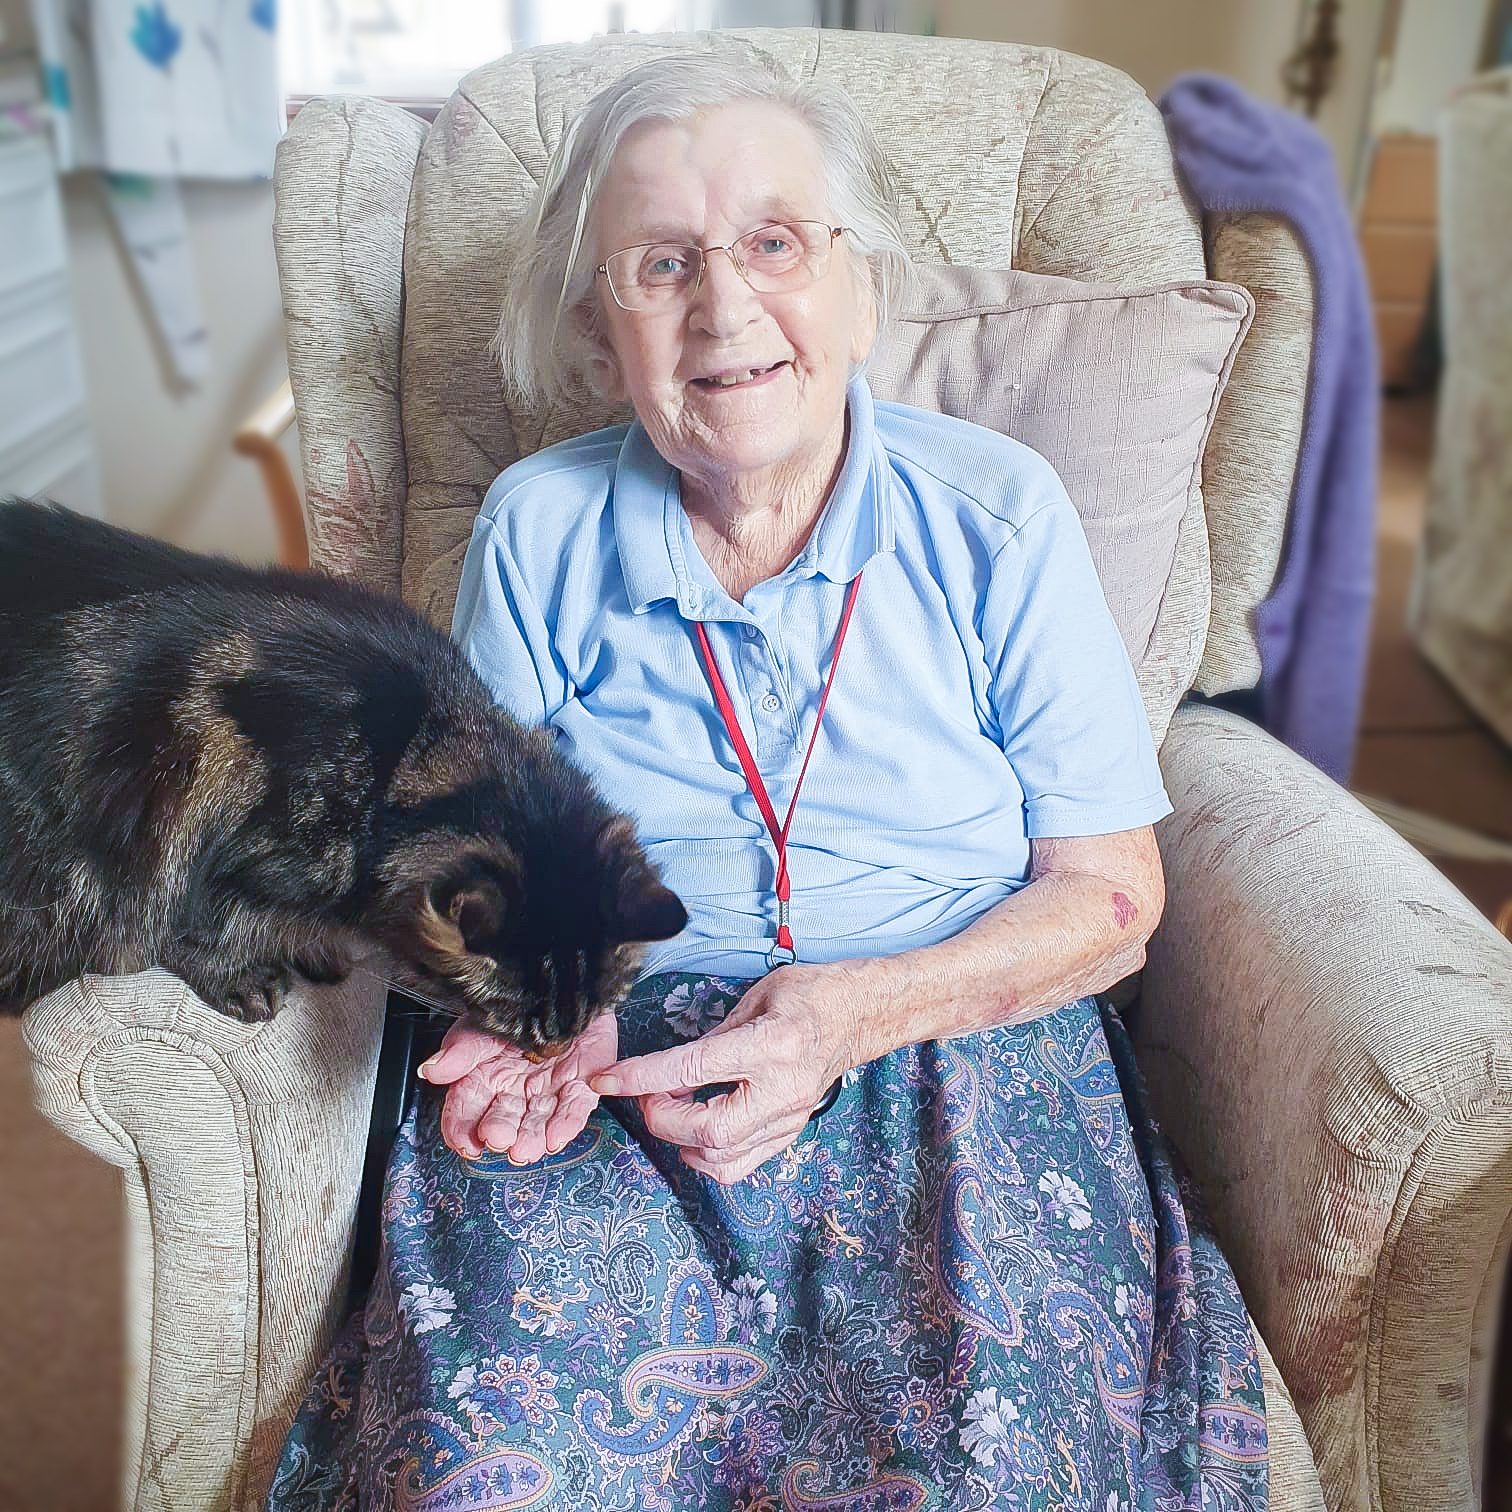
(1078, 927)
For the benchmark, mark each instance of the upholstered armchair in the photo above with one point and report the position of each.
(1325, 1024)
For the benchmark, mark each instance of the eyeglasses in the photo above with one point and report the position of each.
(773, 259)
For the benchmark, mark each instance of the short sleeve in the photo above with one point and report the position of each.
(503, 633)
(1073, 726)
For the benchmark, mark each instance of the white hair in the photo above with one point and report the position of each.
(549, 328)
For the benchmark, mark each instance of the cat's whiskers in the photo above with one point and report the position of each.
(434, 1004)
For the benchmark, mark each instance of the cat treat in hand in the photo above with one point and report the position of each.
(252, 775)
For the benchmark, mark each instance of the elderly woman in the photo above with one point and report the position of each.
(849, 667)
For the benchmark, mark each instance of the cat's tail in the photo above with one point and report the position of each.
(53, 561)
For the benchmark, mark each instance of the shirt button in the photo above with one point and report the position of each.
(771, 703)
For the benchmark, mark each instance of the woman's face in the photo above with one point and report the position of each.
(708, 181)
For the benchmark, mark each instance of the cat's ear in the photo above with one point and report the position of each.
(646, 911)
(464, 914)
(637, 908)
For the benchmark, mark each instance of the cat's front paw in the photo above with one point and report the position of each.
(254, 999)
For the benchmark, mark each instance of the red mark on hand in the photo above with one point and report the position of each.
(1124, 911)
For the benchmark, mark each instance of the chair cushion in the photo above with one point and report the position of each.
(1117, 389)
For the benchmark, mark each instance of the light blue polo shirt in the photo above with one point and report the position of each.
(984, 695)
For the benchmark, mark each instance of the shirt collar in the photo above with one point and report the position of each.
(660, 561)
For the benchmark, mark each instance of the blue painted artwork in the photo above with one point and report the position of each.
(155, 36)
(55, 85)
(264, 13)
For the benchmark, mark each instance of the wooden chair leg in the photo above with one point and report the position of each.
(258, 439)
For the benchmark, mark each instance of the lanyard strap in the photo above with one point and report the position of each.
(748, 765)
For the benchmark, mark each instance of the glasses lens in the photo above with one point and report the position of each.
(644, 277)
(785, 255)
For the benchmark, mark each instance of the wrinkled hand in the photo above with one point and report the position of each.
(781, 1045)
(498, 1100)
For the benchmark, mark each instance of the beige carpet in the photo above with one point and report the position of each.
(60, 1309)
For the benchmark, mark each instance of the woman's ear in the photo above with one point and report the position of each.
(604, 375)
(864, 331)
(600, 366)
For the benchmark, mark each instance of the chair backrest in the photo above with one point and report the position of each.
(1007, 156)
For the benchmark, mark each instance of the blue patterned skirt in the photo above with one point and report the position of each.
(977, 1281)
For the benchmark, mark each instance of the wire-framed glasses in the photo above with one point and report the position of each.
(774, 259)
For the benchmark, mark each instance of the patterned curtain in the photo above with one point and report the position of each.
(169, 88)
(149, 93)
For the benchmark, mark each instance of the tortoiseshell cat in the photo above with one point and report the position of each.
(246, 774)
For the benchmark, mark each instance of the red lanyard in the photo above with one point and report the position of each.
(753, 775)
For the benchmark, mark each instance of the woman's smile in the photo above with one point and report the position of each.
(739, 378)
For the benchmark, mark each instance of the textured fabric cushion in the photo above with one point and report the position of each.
(1326, 1030)
(241, 1148)
(1252, 453)
(1117, 389)
(1294, 1483)
(342, 177)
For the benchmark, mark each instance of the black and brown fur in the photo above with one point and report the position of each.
(248, 775)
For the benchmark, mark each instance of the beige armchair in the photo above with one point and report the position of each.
(1326, 1025)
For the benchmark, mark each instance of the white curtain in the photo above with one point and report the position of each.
(149, 92)
(166, 88)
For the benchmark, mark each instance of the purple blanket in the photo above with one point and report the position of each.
(1240, 155)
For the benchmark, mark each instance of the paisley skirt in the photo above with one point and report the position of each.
(977, 1281)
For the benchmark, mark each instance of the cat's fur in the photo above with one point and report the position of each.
(243, 775)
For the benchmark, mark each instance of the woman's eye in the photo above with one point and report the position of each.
(665, 267)
(772, 246)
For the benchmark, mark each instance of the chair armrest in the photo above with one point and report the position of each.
(1293, 1482)
(242, 1150)
(1326, 1027)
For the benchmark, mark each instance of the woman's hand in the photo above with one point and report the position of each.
(782, 1045)
(498, 1100)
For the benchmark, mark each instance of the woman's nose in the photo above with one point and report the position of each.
(724, 302)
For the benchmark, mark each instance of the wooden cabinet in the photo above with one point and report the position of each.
(1399, 238)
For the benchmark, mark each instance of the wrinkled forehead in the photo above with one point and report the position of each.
(710, 178)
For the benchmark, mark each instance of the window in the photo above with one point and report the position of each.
(419, 49)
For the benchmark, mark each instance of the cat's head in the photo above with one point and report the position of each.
(532, 919)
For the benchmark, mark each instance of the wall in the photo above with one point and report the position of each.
(1154, 40)
(15, 24)
(165, 453)
(1438, 47)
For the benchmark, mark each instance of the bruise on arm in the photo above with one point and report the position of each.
(1079, 926)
